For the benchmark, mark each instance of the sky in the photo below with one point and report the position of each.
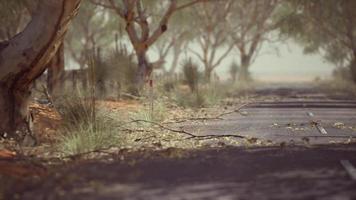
(290, 65)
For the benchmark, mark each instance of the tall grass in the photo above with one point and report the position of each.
(85, 127)
(80, 132)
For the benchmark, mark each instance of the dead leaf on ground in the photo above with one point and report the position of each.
(4, 153)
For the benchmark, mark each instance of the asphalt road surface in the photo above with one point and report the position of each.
(299, 116)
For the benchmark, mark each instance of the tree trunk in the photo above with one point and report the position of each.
(14, 111)
(25, 57)
(144, 70)
(244, 74)
(176, 55)
(207, 74)
(55, 72)
(353, 66)
(353, 70)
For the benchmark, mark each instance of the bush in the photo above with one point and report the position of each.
(189, 100)
(75, 109)
(214, 93)
(123, 69)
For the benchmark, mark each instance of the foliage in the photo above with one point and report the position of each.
(191, 74)
(93, 28)
(122, 69)
(211, 33)
(325, 27)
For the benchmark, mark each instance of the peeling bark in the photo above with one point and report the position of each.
(144, 70)
(26, 57)
(55, 72)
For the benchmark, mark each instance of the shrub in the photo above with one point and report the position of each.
(75, 109)
(123, 69)
(234, 70)
(189, 100)
(191, 74)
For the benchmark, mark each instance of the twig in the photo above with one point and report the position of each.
(217, 117)
(190, 135)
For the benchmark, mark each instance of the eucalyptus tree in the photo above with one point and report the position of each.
(24, 57)
(210, 22)
(327, 27)
(13, 16)
(94, 28)
(142, 29)
(252, 23)
(175, 40)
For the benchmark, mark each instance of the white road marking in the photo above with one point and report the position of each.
(351, 170)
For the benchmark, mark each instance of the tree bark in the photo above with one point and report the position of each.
(25, 57)
(353, 66)
(244, 74)
(55, 72)
(144, 69)
(176, 54)
(208, 71)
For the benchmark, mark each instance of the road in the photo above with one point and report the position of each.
(323, 169)
(298, 117)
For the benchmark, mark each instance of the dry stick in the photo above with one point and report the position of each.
(219, 117)
(191, 135)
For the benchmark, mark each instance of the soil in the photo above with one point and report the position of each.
(228, 173)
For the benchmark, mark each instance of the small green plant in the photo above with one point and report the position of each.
(86, 138)
(158, 114)
(191, 74)
(189, 100)
(214, 93)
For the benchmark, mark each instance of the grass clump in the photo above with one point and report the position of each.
(87, 139)
(157, 113)
(82, 130)
(189, 100)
